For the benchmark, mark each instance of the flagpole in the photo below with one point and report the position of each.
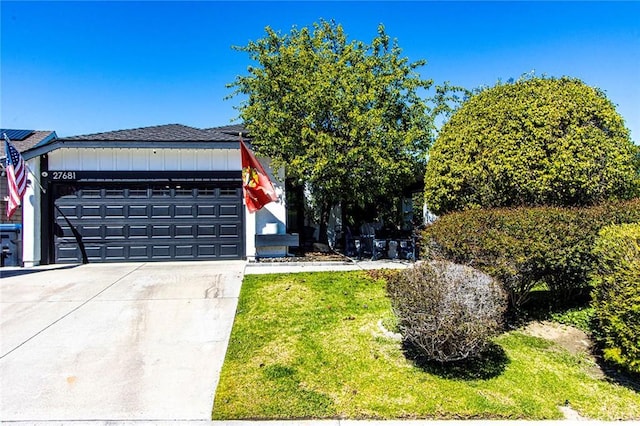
(44, 191)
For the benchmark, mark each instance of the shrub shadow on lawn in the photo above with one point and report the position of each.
(618, 375)
(491, 363)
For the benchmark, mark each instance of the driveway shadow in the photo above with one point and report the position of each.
(8, 273)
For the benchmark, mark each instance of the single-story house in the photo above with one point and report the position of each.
(159, 193)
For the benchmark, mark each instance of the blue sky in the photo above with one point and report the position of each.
(87, 66)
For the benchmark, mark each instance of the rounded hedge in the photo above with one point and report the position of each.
(536, 142)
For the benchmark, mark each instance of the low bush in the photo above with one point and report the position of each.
(616, 293)
(447, 312)
(525, 247)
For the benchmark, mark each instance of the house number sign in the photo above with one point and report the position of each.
(60, 175)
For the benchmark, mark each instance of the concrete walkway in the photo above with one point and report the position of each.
(134, 341)
(332, 423)
(293, 267)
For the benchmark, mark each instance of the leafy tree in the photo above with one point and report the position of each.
(539, 141)
(343, 117)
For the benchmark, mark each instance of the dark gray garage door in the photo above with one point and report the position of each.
(149, 222)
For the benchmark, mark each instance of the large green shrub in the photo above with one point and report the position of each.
(536, 142)
(445, 311)
(616, 294)
(523, 247)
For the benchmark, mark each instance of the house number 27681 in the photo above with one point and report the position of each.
(64, 175)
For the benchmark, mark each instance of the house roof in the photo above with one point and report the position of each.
(165, 133)
(174, 136)
(33, 138)
(232, 129)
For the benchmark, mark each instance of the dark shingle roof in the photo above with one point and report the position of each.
(29, 142)
(232, 129)
(163, 133)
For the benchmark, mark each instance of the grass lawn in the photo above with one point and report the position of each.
(309, 345)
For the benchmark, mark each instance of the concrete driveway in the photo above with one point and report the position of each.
(134, 341)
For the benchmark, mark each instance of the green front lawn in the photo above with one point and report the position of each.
(310, 345)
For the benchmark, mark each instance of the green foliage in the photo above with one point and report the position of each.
(446, 312)
(524, 247)
(535, 142)
(581, 317)
(616, 294)
(342, 116)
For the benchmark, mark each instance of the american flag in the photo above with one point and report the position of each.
(16, 176)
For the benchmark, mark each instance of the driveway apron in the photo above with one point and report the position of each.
(134, 341)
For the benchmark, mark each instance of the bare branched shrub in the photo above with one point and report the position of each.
(447, 311)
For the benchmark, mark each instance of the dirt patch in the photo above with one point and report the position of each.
(574, 340)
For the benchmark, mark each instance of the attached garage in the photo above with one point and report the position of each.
(138, 221)
(161, 193)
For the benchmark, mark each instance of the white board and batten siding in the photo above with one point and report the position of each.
(144, 159)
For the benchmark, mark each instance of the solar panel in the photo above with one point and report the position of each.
(17, 135)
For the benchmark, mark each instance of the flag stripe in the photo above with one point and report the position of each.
(16, 176)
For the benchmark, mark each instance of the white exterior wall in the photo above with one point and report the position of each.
(144, 159)
(275, 212)
(163, 159)
(31, 235)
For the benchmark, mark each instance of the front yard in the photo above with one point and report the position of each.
(313, 345)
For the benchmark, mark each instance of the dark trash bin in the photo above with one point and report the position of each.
(10, 236)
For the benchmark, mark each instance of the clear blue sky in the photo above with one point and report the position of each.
(86, 66)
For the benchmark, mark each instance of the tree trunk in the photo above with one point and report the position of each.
(325, 211)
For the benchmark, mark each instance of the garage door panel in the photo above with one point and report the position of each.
(90, 211)
(114, 193)
(115, 211)
(161, 251)
(141, 211)
(160, 222)
(94, 251)
(184, 211)
(229, 250)
(206, 211)
(90, 233)
(138, 231)
(206, 231)
(71, 212)
(67, 252)
(139, 252)
(161, 212)
(185, 252)
(229, 231)
(207, 251)
(115, 252)
(114, 232)
(229, 211)
(160, 231)
(184, 231)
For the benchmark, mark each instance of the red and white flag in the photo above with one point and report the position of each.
(16, 176)
(258, 189)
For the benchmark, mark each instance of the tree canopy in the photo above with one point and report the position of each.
(539, 141)
(343, 117)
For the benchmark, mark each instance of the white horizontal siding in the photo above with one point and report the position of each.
(138, 159)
